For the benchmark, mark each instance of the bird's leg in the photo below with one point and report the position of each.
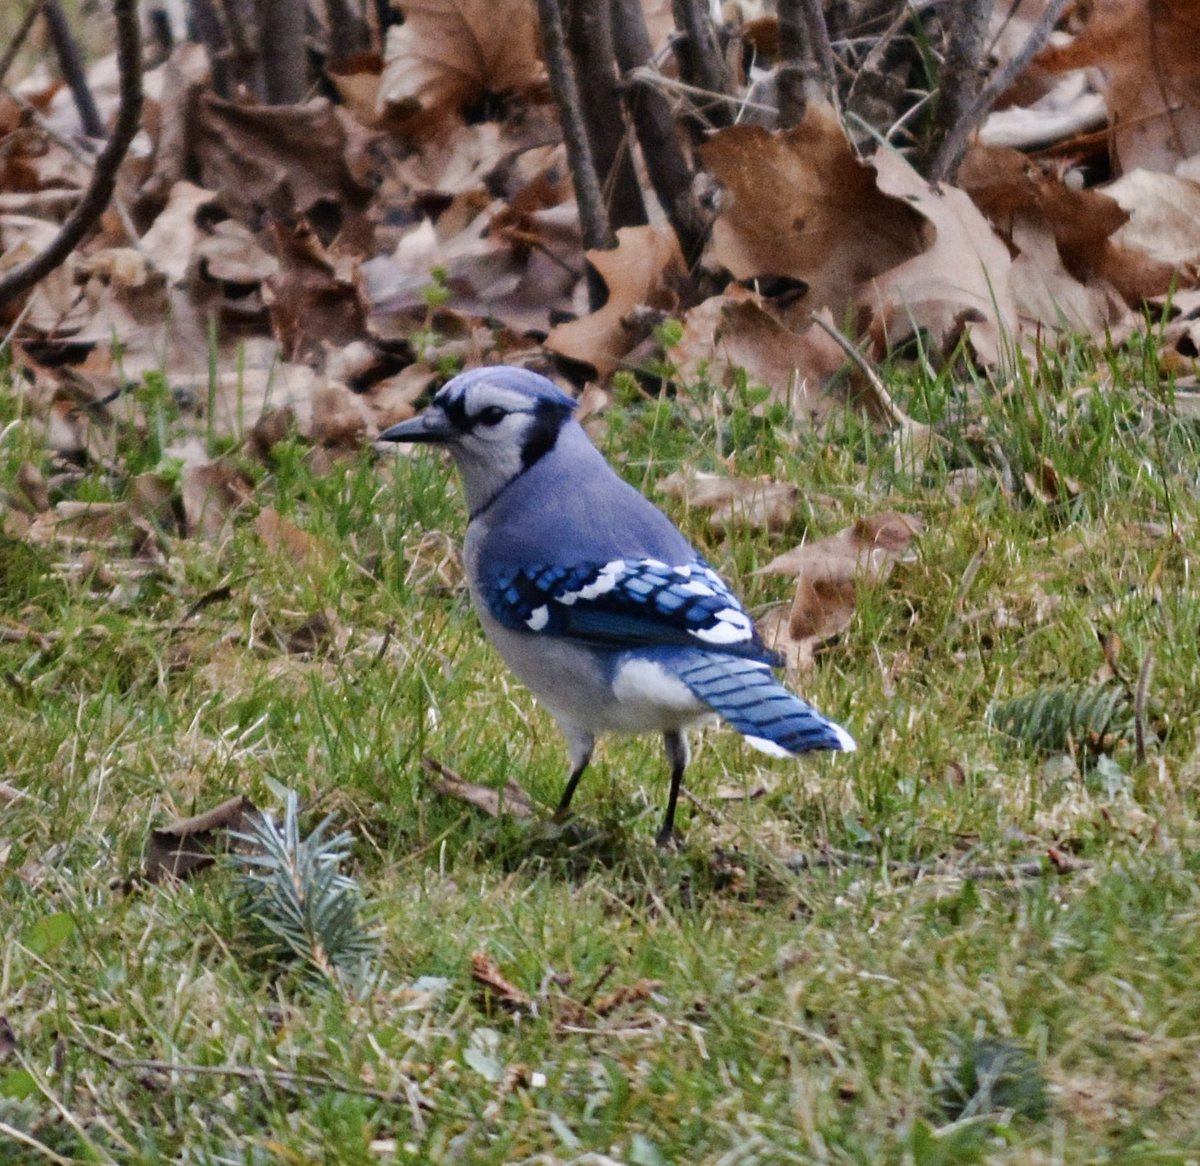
(580, 744)
(678, 754)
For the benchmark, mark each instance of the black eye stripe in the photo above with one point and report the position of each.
(456, 413)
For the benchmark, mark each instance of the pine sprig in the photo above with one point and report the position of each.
(1091, 716)
(304, 908)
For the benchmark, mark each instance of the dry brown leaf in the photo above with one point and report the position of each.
(828, 573)
(486, 972)
(33, 488)
(1071, 107)
(1146, 55)
(488, 273)
(283, 536)
(493, 802)
(1011, 189)
(726, 334)
(170, 242)
(736, 503)
(356, 79)
(1164, 218)
(1048, 486)
(232, 254)
(211, 493)
(79, 523)
(960, 281)
(313, 299)
(282, 158)
(394, 398)
(633, 993)
(1048, 296)
(448, 53)
(802, 205)
(643, 270)
(188, 845)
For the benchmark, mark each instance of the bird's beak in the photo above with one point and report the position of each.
(432, 426)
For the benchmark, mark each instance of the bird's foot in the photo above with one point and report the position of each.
(668, 838)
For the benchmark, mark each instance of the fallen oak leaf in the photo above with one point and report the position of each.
(827, 574)
(732, 336)
(736, 502)
(802, 205)
(959, 281)
(187, 845)
(448, 53)
(633, 993)
(284, 537)
(486, 972)
(643, 270)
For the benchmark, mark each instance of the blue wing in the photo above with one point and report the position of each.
(627, 603)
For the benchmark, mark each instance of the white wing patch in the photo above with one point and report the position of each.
(603, 583)
(538, 618)
(731, 627)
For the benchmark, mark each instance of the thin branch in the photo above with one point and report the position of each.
(890, 409)
(285, 1078)
(104, 176)
(807, 69)
(670, 174)
(589, 36)
(285, 62)
(954, 145)
(958, 81)
(701, 58)
(14, 47)
(1140, 697)
(592, 216)
(820, 45)
(1054, 862)
(70, 61)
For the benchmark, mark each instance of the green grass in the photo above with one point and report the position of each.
(843, 1014)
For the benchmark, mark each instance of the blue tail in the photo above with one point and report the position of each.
(745, 694)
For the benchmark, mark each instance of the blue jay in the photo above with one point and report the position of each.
(589, 592)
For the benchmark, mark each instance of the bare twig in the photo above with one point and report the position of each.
(670, 174)
(70, 61)
(890, 409)
(807, 71)
(589, 35)
(285, 62)
(285, 1078)
(593, 218)
(958, 81)
(1054, 862)
(1140, 698)
(14, 47)
(43, 1151)
(104, 176)
(648, 75)
(820, 45)
(954, 145)
(348, 30)
(701, 60)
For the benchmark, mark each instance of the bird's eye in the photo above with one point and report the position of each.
(492, 415)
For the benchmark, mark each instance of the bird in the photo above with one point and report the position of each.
(591, 594)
